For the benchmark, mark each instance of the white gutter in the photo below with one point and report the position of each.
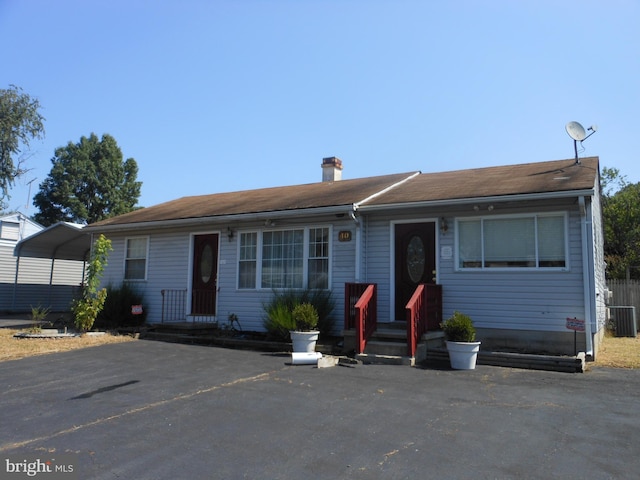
(586, 279)
(356, 205)
(472, 200)
(352, 214)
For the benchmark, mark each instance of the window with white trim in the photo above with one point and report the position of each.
(297, 258)
(282, 259)
(531, 241)
(318, 270)
(247, 260)
(135, 261)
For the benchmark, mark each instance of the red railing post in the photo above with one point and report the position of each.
(424, 312)
(361, 303)
(416, 319)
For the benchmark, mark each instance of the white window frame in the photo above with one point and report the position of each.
(305, 255)
(253, 260)
(146, 258)
(537, 266)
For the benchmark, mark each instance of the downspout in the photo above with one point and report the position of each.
(355, 219)
(586, 281)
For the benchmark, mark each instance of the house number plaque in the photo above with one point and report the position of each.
(344, 235)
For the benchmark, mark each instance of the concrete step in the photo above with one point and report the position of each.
(392, 334)
(386, 348)
(375, 359)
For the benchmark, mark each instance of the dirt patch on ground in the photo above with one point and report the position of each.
(12, 348)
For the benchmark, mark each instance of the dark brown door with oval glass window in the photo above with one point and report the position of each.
(415, 261)
(205, 274)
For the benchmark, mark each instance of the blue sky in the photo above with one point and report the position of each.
(214, 96)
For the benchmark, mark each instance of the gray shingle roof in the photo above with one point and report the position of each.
(529, 178)
(276, 199)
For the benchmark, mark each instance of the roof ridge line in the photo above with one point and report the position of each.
(356, 205)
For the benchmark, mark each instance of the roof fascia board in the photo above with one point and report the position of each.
(470, 200)
(240, 217)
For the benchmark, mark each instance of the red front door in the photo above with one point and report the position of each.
(415, 261)
(205, 274)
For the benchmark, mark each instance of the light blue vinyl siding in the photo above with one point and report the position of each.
(535, 299)
(247, 304)
(169, 268)
(598, 255)
(518, 300)
(377, 268)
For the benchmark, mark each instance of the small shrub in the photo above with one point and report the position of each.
(305, 317)
(39, 313)
(459, 328)
(279, 320)
(86, 310)
(279, 311)
(117, 308)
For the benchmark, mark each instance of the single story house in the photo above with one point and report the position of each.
(40, 266)
(519, 248)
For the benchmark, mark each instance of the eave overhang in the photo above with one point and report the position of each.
(223, 219)
(524, 197)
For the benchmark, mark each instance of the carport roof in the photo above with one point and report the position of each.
(63, 241)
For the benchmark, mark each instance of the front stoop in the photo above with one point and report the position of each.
(388, 346)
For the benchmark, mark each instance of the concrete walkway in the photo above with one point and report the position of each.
(155, 410)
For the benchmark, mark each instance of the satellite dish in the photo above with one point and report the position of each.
(576, 131)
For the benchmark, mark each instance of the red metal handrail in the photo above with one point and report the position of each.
(416, 319)
(352, 293)
(366, 314)
(424, 312)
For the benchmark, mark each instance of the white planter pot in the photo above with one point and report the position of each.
(304, 341)
(463, 355)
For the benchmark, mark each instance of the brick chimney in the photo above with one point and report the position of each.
(331, 169)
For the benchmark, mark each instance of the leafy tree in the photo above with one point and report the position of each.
(621, 217)
(20, 122)
(611, 180)
(88, 182)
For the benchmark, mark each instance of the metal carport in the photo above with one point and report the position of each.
(61, 241)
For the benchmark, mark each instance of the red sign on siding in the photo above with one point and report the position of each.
(575, 324)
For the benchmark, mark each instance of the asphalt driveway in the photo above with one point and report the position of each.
(152, 410)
